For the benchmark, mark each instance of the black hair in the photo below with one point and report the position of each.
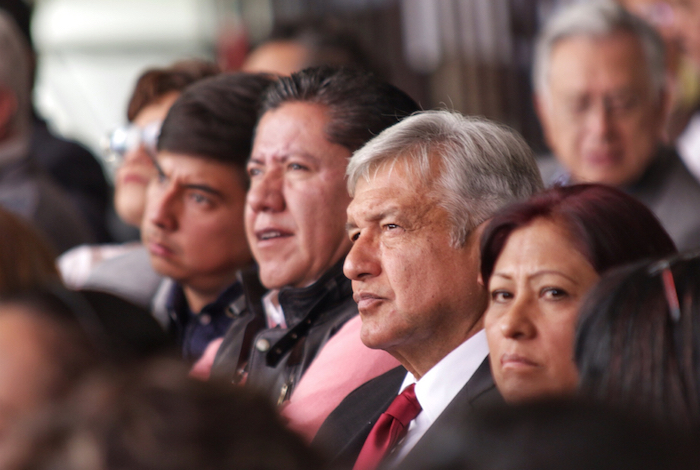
(359, 104)
(553, 435)
(215, 118)
(634, 350)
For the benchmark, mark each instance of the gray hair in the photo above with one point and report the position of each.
(14, 70)
(597, 18)
(482, 165)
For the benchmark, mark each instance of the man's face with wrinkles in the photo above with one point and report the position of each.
(295, 209)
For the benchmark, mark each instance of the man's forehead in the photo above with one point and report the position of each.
(584, 67)
(389, 193)
(613, 51)
(196, 170)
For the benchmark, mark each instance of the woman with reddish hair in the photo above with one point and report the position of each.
(538, 259)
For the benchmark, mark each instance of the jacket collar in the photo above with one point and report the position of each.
(331, 288)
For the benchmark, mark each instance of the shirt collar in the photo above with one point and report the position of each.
(177, 304)
(438, 387)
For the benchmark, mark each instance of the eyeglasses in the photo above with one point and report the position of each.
(126, 138)
(663, 267)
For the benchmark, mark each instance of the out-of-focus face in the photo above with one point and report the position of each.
(136, 172)
(193, 224)
(659, 14)
(687, 22)
(25, 371)
(535, 291)
(295, 210)
(600, 114)
(417, 295)
(278, 57)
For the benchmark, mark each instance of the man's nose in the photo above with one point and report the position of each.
(162, 206)
(362, 260)
(600, 120)
(266, 193)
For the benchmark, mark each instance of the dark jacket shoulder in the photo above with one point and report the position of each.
(344, 432)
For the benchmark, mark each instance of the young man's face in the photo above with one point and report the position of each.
(193, 223)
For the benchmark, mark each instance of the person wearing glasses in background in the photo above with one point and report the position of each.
(130, 150)
(602, 96)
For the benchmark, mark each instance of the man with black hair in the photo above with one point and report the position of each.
(193, 221)
(310, 123)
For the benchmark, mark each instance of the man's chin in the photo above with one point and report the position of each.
(371, 338)
(165, 268)
(610, 176)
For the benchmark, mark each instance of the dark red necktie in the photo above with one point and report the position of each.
(389, 429)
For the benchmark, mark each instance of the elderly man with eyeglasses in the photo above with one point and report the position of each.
(601, 95)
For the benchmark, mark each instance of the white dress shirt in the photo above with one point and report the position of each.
(438, 387)
(273, 310)
(688, 145)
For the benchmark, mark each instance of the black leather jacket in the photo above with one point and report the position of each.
(274, 359)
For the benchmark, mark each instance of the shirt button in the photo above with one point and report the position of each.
(262, 345)
(204, 319)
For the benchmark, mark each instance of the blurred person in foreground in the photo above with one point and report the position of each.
(193, 221)
(556, 435)
(538, 260)
(601, 95)
(309, 125)
(26, 259)
(638, 340)
(24, 187)
(132, 149)
(422, 193)
(50, 337)
(153, 417)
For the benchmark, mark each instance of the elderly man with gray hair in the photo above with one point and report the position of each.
(423, 190)
(601, 95)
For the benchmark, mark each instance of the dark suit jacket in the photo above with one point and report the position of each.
(344, 432)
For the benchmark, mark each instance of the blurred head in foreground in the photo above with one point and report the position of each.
(26, 260)
(50, 337)
(555, 435)
(638, 341)
(154, 417)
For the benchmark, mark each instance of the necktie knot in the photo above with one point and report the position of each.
(389, 429)
(405, 406)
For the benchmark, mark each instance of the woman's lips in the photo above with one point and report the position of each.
(516, 361)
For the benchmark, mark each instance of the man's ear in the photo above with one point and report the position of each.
(480, 280)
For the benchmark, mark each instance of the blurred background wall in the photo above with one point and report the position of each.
(470, 55)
